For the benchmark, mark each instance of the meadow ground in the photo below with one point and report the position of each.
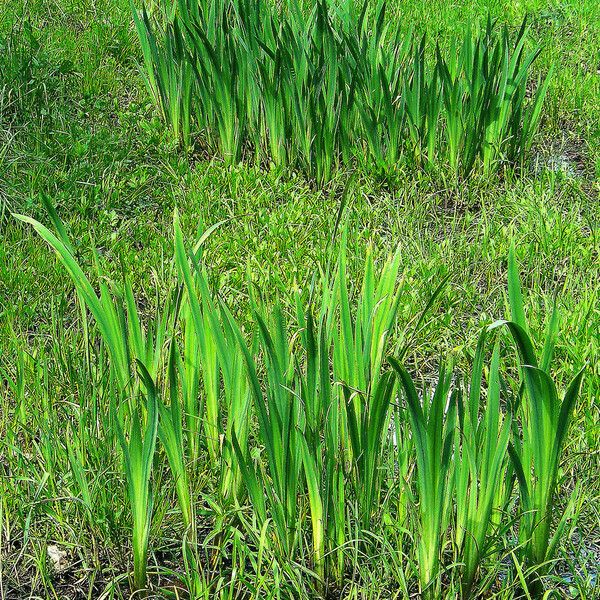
(77, 125)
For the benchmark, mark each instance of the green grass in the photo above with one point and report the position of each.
(78, 127)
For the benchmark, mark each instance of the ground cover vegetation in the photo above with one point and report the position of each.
(237, 365)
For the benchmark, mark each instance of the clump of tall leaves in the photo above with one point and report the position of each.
(337, 87)
(317, 452)
(138, 456)
(535, 451)
(432, 421)
(482, 484)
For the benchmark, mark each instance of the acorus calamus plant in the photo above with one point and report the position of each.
(317, 451)
(536, 450)
(335, 87)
